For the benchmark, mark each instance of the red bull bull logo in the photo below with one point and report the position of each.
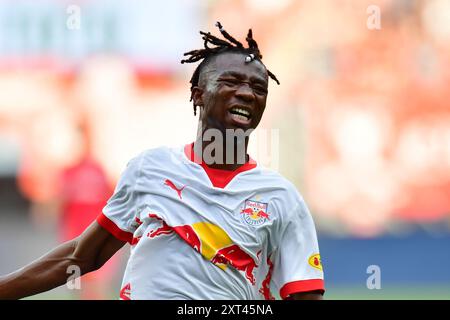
(125, 292)
(265, 288)
(213, 243)
(255, 213)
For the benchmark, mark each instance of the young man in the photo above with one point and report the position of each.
(203, 222)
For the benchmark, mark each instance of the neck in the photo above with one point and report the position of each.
(229, 155)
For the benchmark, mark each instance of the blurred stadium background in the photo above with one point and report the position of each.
(363, 118)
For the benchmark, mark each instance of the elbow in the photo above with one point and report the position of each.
(78, 261)
(80, 266)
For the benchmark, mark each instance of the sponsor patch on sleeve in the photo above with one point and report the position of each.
(314, 261)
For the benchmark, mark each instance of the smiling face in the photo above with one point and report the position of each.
(232, 93)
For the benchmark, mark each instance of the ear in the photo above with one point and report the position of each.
(197, 96)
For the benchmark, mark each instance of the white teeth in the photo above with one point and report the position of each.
(238, 116)
(242, 111)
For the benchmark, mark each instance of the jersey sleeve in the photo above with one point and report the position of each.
(297, 265)
(119, 214)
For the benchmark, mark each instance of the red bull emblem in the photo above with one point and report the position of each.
(213, 243)
(255, 213)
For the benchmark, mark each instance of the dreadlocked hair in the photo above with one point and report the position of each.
(230, 44)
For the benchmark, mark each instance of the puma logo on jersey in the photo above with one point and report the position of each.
(172, 185)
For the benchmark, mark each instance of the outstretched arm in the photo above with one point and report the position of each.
(89, 252)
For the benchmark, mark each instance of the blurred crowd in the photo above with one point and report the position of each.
(363, 114)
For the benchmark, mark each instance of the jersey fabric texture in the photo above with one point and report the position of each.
(202, 233)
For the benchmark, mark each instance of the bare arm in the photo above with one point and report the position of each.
(89, 252)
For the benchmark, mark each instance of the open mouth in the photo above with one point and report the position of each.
(240, 115)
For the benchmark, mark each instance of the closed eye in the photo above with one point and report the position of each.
(258, 88)
(232, 82)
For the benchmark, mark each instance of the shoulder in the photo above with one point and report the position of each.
(152, 155)
(284, 186)
(154, 152)
(289, 198)
(159, 159)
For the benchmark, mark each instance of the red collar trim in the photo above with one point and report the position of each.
(218, 177)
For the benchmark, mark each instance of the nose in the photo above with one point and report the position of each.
(245, 92)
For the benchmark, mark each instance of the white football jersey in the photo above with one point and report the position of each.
(203, 233)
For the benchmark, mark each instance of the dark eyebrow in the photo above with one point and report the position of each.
(239, 75)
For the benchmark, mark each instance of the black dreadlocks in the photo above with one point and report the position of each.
(221, 46)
